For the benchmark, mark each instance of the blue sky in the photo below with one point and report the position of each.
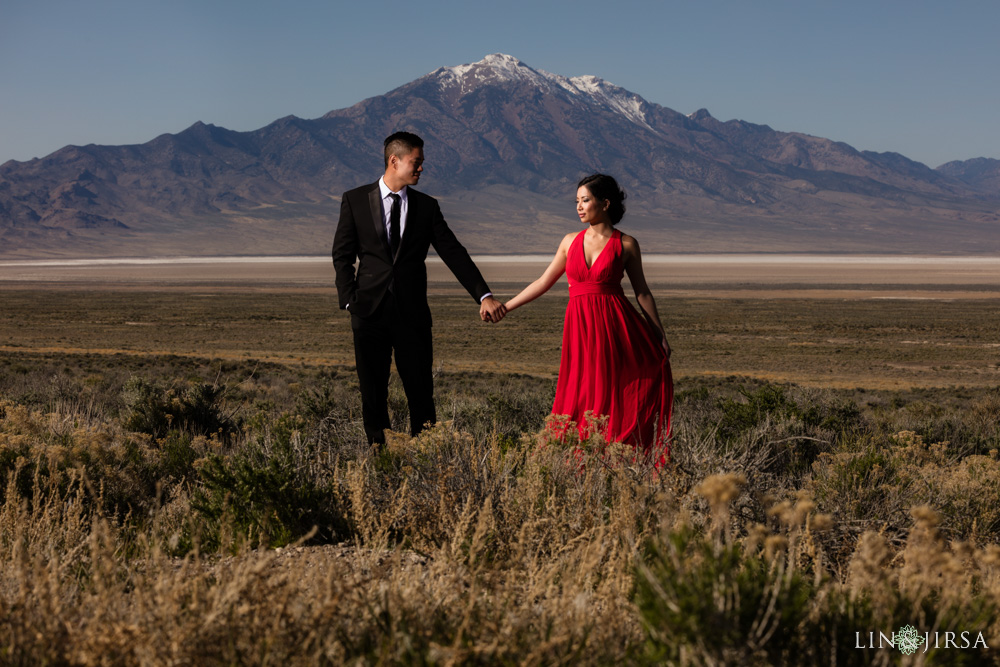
(916, 77)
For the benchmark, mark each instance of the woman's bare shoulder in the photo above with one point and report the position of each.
(629, 243)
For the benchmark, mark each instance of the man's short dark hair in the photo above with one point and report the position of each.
(401, 144)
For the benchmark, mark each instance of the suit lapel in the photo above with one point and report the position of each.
(375, 204)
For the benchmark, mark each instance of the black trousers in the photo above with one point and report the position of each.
(376, 338)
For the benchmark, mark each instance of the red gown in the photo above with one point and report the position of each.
(613, 363)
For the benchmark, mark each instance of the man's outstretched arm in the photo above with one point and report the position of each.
(457, 259)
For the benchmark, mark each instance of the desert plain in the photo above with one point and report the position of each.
(823, 320)
(755, 275)
(186, 479)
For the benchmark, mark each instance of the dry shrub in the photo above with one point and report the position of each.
(549, 527)
(133, 471)
(534, 564)
(876, 482)
(774, 597)
(464, 549)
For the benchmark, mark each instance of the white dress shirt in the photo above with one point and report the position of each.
(387, 207)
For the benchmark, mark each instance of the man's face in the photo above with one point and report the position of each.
(407, 168)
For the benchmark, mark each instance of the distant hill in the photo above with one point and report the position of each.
(506, 144)
(982, 174)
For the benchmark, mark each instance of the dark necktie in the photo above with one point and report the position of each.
(394, 223)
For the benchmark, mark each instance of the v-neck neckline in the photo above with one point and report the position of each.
(601, 252)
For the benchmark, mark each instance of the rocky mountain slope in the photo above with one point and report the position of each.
(506, 144)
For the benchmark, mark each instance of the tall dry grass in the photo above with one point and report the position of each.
(459, 552)
(789, 521)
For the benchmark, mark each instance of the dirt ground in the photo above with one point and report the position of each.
(824, 321)
(747, 276)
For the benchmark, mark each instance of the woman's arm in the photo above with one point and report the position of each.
(555, 269)
(633, 267)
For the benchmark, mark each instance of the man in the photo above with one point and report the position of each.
(389, 226)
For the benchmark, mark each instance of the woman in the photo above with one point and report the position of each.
(614, 363)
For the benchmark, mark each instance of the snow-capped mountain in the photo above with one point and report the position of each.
(500, 68)
(506, 144)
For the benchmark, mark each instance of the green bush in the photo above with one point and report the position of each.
(199, 409)
(269, 491)
(739, 417)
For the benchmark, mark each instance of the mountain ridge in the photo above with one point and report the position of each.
(505, 144)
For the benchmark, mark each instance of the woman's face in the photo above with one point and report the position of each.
(590, 209)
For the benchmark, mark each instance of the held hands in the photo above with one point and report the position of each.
(491, 310)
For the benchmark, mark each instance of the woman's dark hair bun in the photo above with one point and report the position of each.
(606, 187)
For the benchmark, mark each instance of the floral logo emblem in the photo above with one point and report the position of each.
(908, 640)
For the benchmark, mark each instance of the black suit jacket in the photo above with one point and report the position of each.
(361, 235)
